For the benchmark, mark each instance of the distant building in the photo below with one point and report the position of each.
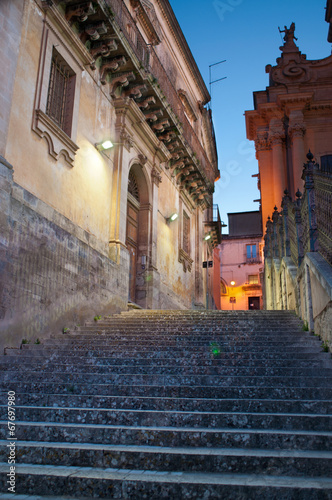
(241, 262)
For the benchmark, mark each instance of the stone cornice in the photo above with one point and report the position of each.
(289, 102)
(184, 48)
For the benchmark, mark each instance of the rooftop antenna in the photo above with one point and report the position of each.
(214, 81)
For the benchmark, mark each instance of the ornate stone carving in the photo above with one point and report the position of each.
(103, 48)
(185, 260)
(262, 142)
(146, 13)
(136, 92)
(120, 80)
(93, 31)
(126, 139)
(161, 125)
(276, 132)
(153, 115)
(156, 176)
(142, 159)
(80, 10)
(110, 66)
(144, 103)
(297, 126)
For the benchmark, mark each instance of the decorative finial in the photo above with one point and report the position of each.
(298, 194)
(275, 208)
(286, 192)
(310, 156)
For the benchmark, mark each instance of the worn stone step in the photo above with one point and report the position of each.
(184, 459)
(277, 439)
(132, 336)
(166, 370)
(133, 484)
(182, 391)
(175, 404)
(172, 380)
(150, 417)
(169, 350)
(23, 362)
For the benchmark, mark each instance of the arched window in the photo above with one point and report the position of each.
(133, 186)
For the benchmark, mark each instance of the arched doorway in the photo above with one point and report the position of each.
(133, 207)
(138, 236)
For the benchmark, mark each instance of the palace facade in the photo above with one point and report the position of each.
(105, 135)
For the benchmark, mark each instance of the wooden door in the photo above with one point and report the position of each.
(132, 244)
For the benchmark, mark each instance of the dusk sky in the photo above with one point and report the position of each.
(245, 33)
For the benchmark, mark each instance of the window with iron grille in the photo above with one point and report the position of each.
(186, 233)
(60, 98)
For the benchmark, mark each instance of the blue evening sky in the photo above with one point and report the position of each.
(245, 33)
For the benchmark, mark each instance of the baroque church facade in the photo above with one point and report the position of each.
(105, 139)
(291, 125)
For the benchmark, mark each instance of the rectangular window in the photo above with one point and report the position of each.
(186, 233)
(253, 279)
(60, 98)
(251, 252)
(326, 163)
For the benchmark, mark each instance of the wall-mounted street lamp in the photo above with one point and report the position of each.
(232, 283)
(207, 237)
(104, 145)
(172, 218)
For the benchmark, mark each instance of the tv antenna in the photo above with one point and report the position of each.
(214, 81)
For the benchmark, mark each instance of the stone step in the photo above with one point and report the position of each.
(105, 336)
(96, 351)
(245, 420)
(152, 396)
(269, 371)
(278, 439)
(149, 356)
(175, 404)
(184, 459)
(172, 380)
(183, 391)
(23, 361)
(134, 484)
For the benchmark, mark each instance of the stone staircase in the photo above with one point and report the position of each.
(172, 404)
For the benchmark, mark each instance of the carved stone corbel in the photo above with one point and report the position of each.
(136, 92)
(120, 80)
(156, 176)
(111, 66)
(80, 10)
(146, 102)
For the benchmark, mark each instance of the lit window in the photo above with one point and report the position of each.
(253, 279)
(60, 98)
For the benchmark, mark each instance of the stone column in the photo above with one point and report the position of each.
(118, 218)
(296, 131)
(153, 301)
(263, 155)
(276, 136)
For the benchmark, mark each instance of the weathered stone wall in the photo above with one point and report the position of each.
(53, 274)
(307, 290)
(10, 29)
